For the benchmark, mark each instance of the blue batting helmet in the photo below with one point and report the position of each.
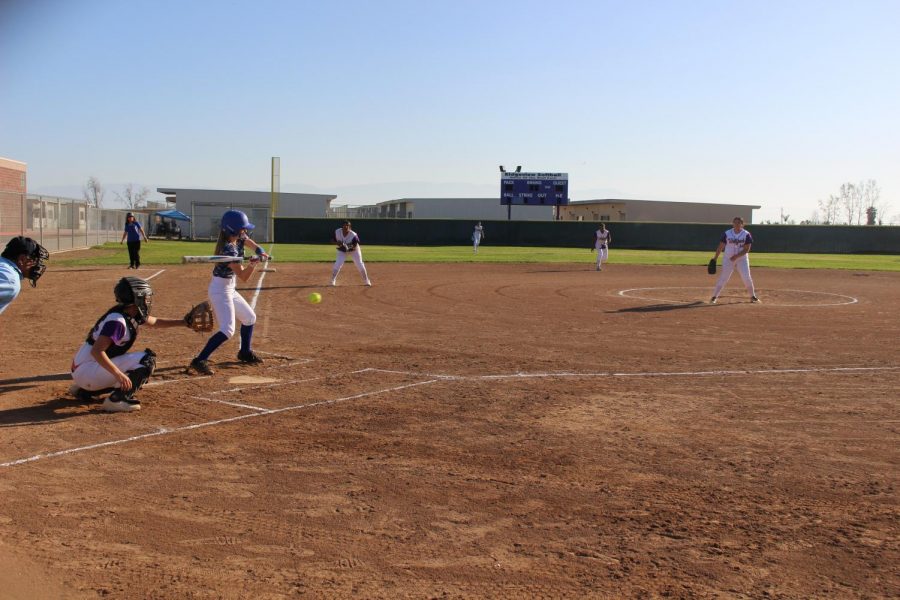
(234, 220)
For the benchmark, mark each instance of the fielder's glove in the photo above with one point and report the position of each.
(200, 318)
(343, 248)
(351, 247)
(711, 267)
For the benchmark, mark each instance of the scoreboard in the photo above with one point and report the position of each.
(549, 189)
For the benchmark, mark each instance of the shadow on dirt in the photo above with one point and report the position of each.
(659, 307)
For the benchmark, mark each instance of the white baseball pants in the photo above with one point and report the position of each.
(228, 304)
(476, 240)
(356, 256)
(602, 255)
(91, 376)
(742, 265)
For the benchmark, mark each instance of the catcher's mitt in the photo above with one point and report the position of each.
(711, 267)
(200, 318)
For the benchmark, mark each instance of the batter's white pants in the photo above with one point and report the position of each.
(602, 255)
(228, 304)
(742, 265)
(356, 256)
(91, 376)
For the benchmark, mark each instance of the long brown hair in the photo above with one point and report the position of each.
(220, 243)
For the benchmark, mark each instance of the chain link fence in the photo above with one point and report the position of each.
(59, 223)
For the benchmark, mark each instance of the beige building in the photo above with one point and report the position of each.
(654, 211)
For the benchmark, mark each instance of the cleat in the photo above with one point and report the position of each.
(84, 396)
(368, 283)
(332, 283)
(713, 300)
(249, 357)
(201, 367)
(754, 299)
(118, 403)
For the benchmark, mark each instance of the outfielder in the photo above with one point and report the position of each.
(104, 364)
(226, 302)
(602, 240)
(348, 245)
(736, 243)
(477, 237)
(22, 258)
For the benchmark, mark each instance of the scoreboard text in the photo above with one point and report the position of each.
(534, 188)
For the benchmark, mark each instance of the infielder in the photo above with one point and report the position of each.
(22, 258)
(602, 240)
(348, 245)
(477, 237)
(226, 302)
(736, 243)
(104, 364)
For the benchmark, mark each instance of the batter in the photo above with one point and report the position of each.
(226, 302)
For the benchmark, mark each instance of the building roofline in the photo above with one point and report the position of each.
(612, 200)
(174, 191)
(15, 165)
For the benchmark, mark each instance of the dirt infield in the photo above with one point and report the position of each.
(465, 431)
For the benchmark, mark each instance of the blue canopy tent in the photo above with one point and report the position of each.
(170, 229)
(173, 214)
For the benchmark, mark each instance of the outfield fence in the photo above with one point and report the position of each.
(819, 239)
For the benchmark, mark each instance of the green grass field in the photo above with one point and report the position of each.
(167, 253)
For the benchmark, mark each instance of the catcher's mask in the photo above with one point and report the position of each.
(35, 252)
(134, 290)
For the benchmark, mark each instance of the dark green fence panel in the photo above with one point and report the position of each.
(826, 239)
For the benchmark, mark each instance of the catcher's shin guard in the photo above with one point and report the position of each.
(138, 378)
(149, 360)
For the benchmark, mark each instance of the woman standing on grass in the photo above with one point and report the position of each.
(133, 231)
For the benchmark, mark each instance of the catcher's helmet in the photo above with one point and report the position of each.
(234, 220)
(137, 291)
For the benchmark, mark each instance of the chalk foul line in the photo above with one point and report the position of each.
(165, 431)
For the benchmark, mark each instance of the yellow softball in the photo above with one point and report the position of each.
(315, 297)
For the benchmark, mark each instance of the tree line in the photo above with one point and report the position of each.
(854, 204)
(132, 195)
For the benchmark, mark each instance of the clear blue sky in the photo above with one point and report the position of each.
(755, 102)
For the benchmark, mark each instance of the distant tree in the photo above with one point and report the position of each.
(93, 192)
(132, 196)
(829, 210)
(813, 218)
(852, 204)
(876, 208)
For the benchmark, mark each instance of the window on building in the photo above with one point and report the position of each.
(604, 217)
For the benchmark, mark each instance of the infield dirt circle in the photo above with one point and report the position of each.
(464, 431)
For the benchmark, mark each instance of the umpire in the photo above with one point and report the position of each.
(23, 257)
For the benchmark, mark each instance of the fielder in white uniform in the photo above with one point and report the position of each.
(736, 244)
(226, 302)
(602, 240)
(477, 236)
(104, 364)
(348, 245)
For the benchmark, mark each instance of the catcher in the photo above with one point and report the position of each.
(348, 245)
(104, 364)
